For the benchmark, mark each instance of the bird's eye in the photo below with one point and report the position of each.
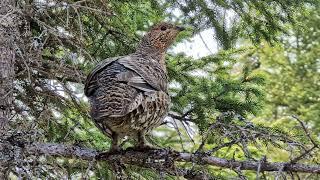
(163, 28)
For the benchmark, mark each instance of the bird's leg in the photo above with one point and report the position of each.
(142, 142)
(115, 146)
(141, 139)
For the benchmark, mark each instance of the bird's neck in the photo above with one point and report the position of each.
(149, 52)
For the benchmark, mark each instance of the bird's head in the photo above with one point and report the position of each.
(161, 36)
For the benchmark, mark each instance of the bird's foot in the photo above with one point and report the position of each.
(111, 151)
(114, 149)
(142, 148)
(146, 147)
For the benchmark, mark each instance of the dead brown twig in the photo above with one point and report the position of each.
(308, 151)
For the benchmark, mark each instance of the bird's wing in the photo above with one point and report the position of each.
(144, 75)
(90, 84)
(149, 71)
(135, 80)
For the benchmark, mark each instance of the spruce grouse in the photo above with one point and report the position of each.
(128, 94)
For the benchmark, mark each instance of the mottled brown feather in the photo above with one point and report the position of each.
(128, 94)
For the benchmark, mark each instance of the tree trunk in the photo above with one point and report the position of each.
(8, 34)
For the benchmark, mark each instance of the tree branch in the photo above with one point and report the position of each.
(163, 159)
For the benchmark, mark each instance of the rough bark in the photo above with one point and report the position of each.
(7, 57)
(8, 32)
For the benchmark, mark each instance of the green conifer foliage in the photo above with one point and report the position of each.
(228, 105)
(293, 70)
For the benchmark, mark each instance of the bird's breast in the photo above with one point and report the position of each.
(148, 115)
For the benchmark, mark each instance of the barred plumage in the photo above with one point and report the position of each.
(128, 94)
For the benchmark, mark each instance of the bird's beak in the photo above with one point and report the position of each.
(180, 28)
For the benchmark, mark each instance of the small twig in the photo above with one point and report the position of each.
(3, 17)
(70, 129)
(315, 145)
(223, 145)
(296, 159)
(204, 140)
(239, 172)
(89, 168)
(92, 9)
(262, 160)
(183, 116)
(205, 44)
(188, 133)
(305, 130)
(177, 129)
(280, 172)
